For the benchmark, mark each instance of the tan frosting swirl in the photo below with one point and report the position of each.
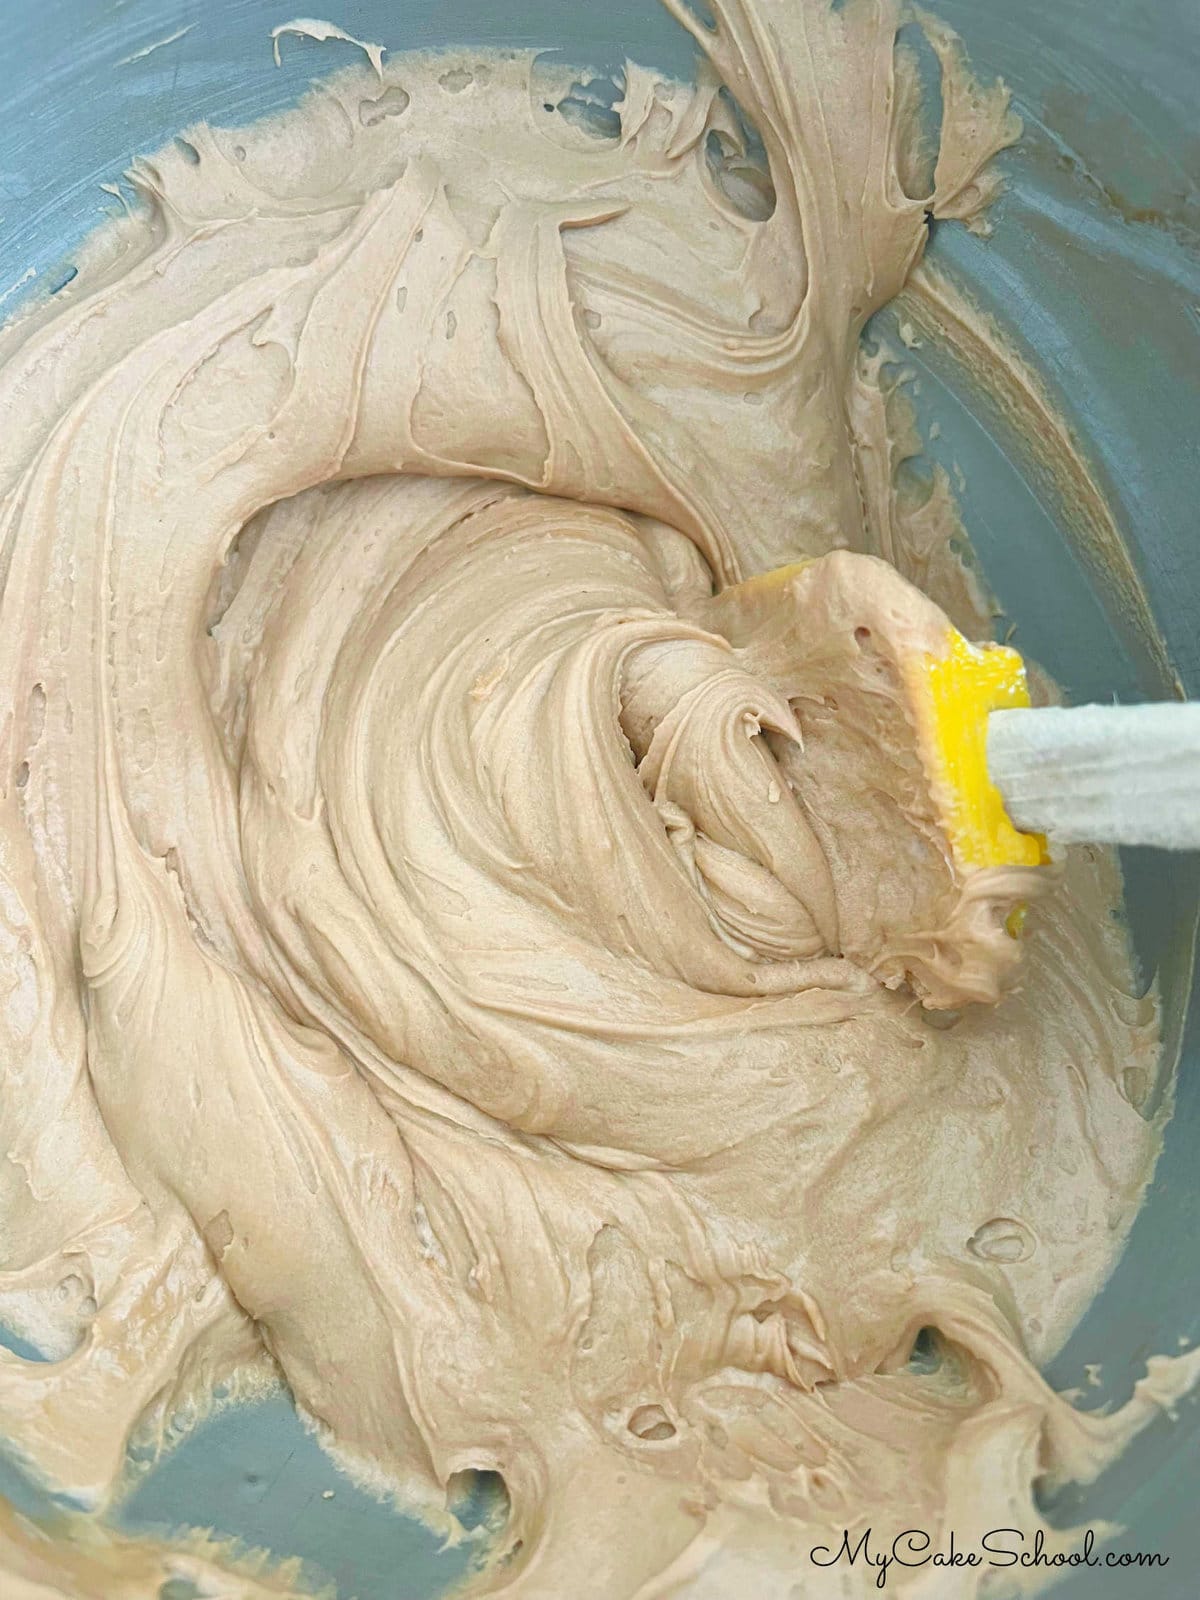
(461, 942)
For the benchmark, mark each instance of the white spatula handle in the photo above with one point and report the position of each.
(1101, 774)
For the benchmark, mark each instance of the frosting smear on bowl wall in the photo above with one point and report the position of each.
(483, 936)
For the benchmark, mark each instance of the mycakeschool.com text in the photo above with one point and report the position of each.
(891, 1555)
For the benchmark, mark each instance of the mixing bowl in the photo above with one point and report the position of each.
(1094, 270)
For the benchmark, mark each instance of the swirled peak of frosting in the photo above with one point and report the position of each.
(470, 944)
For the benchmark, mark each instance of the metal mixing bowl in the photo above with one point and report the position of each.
(1095, 270)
